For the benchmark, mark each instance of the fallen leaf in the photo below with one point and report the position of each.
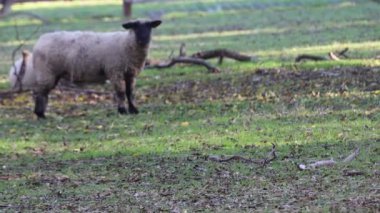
(185, 124)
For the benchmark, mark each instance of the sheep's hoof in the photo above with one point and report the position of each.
(40, 116)
(133, 110)
(122, 110)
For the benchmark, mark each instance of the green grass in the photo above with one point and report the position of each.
(85, 157)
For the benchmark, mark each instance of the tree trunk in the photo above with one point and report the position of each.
(127, 8)
(6, 7)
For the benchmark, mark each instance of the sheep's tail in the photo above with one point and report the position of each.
(20, 73)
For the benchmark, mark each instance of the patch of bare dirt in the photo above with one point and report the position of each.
(267, 84)
(263, 84)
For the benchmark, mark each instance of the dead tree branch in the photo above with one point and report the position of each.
(199, 58)
(331, 56)
(304, 57)
(221, 54)
(331, 162)
(352, 156)
(353, 173)
(343, 52)
(183, 60)
(182, 50)
(222, 159)
(263, 162)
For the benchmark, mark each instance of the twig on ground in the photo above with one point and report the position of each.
(263, 162)
(222, 159)
(353, 173)
(182, 50)
(199, 58)
(343, 52)
(221, 54)
(330, 162)
(272, 155)
(304, 57)
(331, 56)
(183, 60)
(352, 156)
(318, 164)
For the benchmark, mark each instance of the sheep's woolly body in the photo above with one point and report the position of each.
(87, 56)
(29, 79)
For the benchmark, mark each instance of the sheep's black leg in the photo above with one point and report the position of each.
(119, 86)
(129, 87)
(41, 95)
(41, 101)
(120, 96)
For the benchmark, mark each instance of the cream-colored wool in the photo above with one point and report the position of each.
(87, 57)
(28, 80)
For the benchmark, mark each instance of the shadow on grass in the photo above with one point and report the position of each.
(190, 181)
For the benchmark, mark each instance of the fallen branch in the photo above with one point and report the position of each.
(221, 54)
(222, 159)
(183, 60)
(343, 52)
(310, 57)
(331, 56)
(263, 162)
(317, 164)
(352, 156)
(353, 173)
(272, 155)
(330, 162)
(182, 50)
(198, 58)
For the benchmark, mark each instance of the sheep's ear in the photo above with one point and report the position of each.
(130, 25)
(155, 23)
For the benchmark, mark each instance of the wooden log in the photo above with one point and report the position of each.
(183, 60)
(222, 53)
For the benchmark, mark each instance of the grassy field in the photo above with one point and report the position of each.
(85, 157)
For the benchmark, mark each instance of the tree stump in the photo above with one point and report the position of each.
(127, 8)
(6, 8)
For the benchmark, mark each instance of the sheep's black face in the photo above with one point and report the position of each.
(143, 30)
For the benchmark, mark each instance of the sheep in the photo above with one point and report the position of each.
(21, 75)
(90, 57)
